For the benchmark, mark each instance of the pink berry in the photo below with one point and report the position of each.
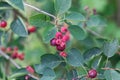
(63, 54)
(27, 77)
(14, 55)
(59, 48)
(94, 11)
(21, 56)
(30, 69)
(63, 29)
(58, 41)
(63, 44)
(58, 35)
(53, 42)
(65, 38)
(9, 49)
(92, 73)
(3, 24)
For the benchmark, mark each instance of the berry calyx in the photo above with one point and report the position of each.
(3, 24)
(31, 29)
(21, 56)
(63, 54)
(92, 73)
(53, 42)
(30, 69)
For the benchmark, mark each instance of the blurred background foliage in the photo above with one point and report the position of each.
(108, 9)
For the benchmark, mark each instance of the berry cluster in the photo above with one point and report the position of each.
(60, 40)
(30, 70)
(13, 52)
(3, 24)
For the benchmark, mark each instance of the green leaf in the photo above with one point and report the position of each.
(91, 53)
(4, 5)
(110, 48)
(50, 60)
(75, 16)
(49, 33)
(48, 74)
(18, 73)
(19, 28)
(62, 6)
(77, 32)
(39, 68)
(40, 20)
(118, 65)
(16, 4)
(111, 75)
(72, 74)
(1, 33)
(75, 58)
(95, 21)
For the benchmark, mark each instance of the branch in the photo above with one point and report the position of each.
(39, 10)
(94, 33)
(111, 69)
(15, 64)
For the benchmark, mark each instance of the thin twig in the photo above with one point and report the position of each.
(111, 69)
(39, 10)
(15, 64)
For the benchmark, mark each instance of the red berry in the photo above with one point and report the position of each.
(3, 49)
(64, 29)
(3, 24)
(31, 29)
(63, 54)
(92, 73)
(15, 48)
(14, 55)
(21, 56)
(9, 49)
(58, 35)
(60, 48)
(30, 69)
(53, 42)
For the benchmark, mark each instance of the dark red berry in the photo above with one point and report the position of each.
(53, 42)
(31, 29)
(21, 56)
(3, 24)
(59, 48)
(14, 55)
(92, 73)
(3, 49)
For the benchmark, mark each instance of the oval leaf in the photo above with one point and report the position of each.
(16, 4)
(110, 48)
(75, 58)
(50, 60)
(19, 28)
(111, 75)
(61, 6)
(77, 32)
(91, 53)
(48, 74)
